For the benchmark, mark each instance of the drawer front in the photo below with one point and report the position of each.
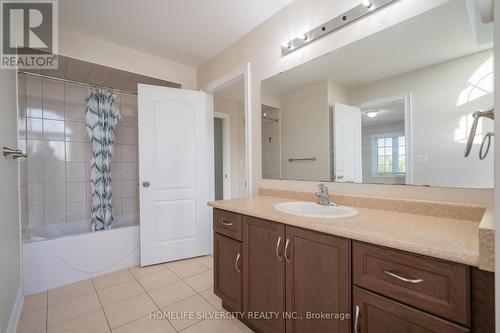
(438, 287)
(228, 224)
(376, 314)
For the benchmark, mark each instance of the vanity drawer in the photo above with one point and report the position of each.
(439, 287)
(228, 224)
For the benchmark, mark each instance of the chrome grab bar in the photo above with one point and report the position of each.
(402, 278)
(476, 115)
(310, 159)
(15, 153)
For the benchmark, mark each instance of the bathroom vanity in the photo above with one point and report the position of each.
(381, 271)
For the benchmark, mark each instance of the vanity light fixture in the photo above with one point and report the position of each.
(364, 8)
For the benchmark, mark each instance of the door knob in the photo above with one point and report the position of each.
(146, 184)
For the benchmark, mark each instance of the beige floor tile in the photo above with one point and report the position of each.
(158, 279)
(193, 305)
(120, 292)
(33, 322)
(146, 325)
(76, 307)
(112, 279)
(201, 282)
(171, 293)
(207, 261)
(35, 302)
(212, 298)
(138, 271)
(186, 268)
(70, 291)
(94, 322)
(129, 310)
(243, 328)
(213, 326)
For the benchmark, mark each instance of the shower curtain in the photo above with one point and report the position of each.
(101, 117)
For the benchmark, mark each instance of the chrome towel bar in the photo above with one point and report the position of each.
(470, 140)
(15, 153)
(310, 159)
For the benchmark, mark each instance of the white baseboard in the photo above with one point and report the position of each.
(16, 312)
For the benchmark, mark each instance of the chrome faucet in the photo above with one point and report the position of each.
(324, 197)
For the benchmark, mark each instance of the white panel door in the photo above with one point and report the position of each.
(347, 137)
(174, 171)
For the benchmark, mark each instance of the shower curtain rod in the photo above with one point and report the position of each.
(78, 82)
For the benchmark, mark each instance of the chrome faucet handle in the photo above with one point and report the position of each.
(322, 189)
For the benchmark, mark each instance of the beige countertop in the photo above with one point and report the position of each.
(445, 238)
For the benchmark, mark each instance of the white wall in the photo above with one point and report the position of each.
(236, 111)
(441, 109)
(305, 132)
(80, 46)
(10, 247)
(261, 47)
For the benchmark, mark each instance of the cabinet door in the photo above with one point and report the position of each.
(376, 314)
(318, 282)
(264, 274)
(227, 271)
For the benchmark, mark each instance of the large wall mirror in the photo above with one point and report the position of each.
(393, 108)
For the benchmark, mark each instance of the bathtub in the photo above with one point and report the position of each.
(59, 254)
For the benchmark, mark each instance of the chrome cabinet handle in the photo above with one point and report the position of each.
(287, 243)
(278, 248)
(402, 278)
(236, 263)
(226, 223)
(356, 320)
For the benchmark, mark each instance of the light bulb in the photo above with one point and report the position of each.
(302, 37)
(372, 114)
(367, 3)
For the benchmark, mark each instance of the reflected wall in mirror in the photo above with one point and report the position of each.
(393, 108)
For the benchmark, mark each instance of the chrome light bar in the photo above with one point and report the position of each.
(365, 8)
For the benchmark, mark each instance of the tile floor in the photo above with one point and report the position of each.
(121, 302)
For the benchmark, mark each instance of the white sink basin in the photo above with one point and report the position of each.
(312, 209)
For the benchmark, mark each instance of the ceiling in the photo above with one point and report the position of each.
(389, 113)
(187, 31)
(442, 34)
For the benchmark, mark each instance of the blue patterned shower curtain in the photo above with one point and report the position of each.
(101, 116)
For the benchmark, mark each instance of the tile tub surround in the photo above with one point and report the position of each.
(59, 152)
(122, 301)
(451, 239)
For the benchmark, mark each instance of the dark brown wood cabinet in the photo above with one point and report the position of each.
(377, 314)
(318, 282)
(288, 279)
(264, 274)
(228, 277)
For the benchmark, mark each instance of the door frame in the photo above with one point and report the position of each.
(226, 153)
(243, 72)
(407, 99)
